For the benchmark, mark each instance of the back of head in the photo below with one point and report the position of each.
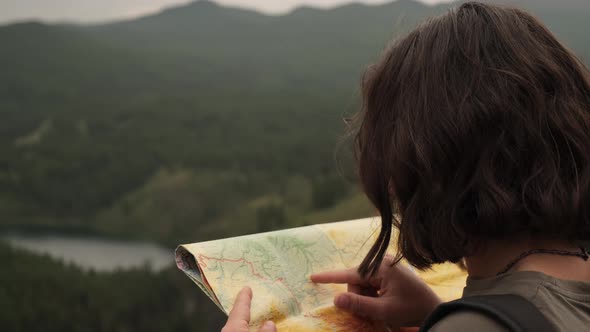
(475, 126)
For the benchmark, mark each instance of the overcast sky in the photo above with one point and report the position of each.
(105, 10)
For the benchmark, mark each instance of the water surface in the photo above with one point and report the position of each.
(99, 254)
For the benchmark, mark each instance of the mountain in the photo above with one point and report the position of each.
(195, 42)
(197, 121)
(566, 5)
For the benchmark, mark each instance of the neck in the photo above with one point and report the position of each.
(496, 255)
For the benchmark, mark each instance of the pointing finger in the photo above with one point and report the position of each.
(241, 309)
(349, 276)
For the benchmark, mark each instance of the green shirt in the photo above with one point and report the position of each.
(565, 303)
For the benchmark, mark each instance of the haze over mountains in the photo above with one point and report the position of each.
(103, 124)
(188, 45)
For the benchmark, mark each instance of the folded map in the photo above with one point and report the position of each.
(277, 266)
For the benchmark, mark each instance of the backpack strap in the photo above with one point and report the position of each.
(514, 312)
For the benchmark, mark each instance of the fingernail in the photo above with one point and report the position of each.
(342, 301)
(268, 327)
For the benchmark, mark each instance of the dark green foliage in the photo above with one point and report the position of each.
(328, 190)
(39, 294)
(271, 216)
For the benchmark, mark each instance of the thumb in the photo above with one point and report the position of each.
(371, 307)
(268, 327)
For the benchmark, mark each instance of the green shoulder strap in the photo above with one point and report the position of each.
(512, 311)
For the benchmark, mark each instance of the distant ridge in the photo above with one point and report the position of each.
(336, 39)
(208, 5)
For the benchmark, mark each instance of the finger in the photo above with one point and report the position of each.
(268, 327)
(354, 288)
(365, 306)
(363, 290)
(349, 276)
(241, 308)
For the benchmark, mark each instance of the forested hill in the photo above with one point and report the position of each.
(200, 121)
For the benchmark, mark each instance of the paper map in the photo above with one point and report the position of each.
(277, 266)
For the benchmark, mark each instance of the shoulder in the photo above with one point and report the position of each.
(467, 320)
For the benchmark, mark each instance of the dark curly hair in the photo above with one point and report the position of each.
(475, 126)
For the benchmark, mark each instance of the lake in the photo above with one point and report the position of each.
(99, 254)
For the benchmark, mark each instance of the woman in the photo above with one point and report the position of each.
(475, 131)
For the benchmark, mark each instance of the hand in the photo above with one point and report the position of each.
(394, 295)
(239, 316)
